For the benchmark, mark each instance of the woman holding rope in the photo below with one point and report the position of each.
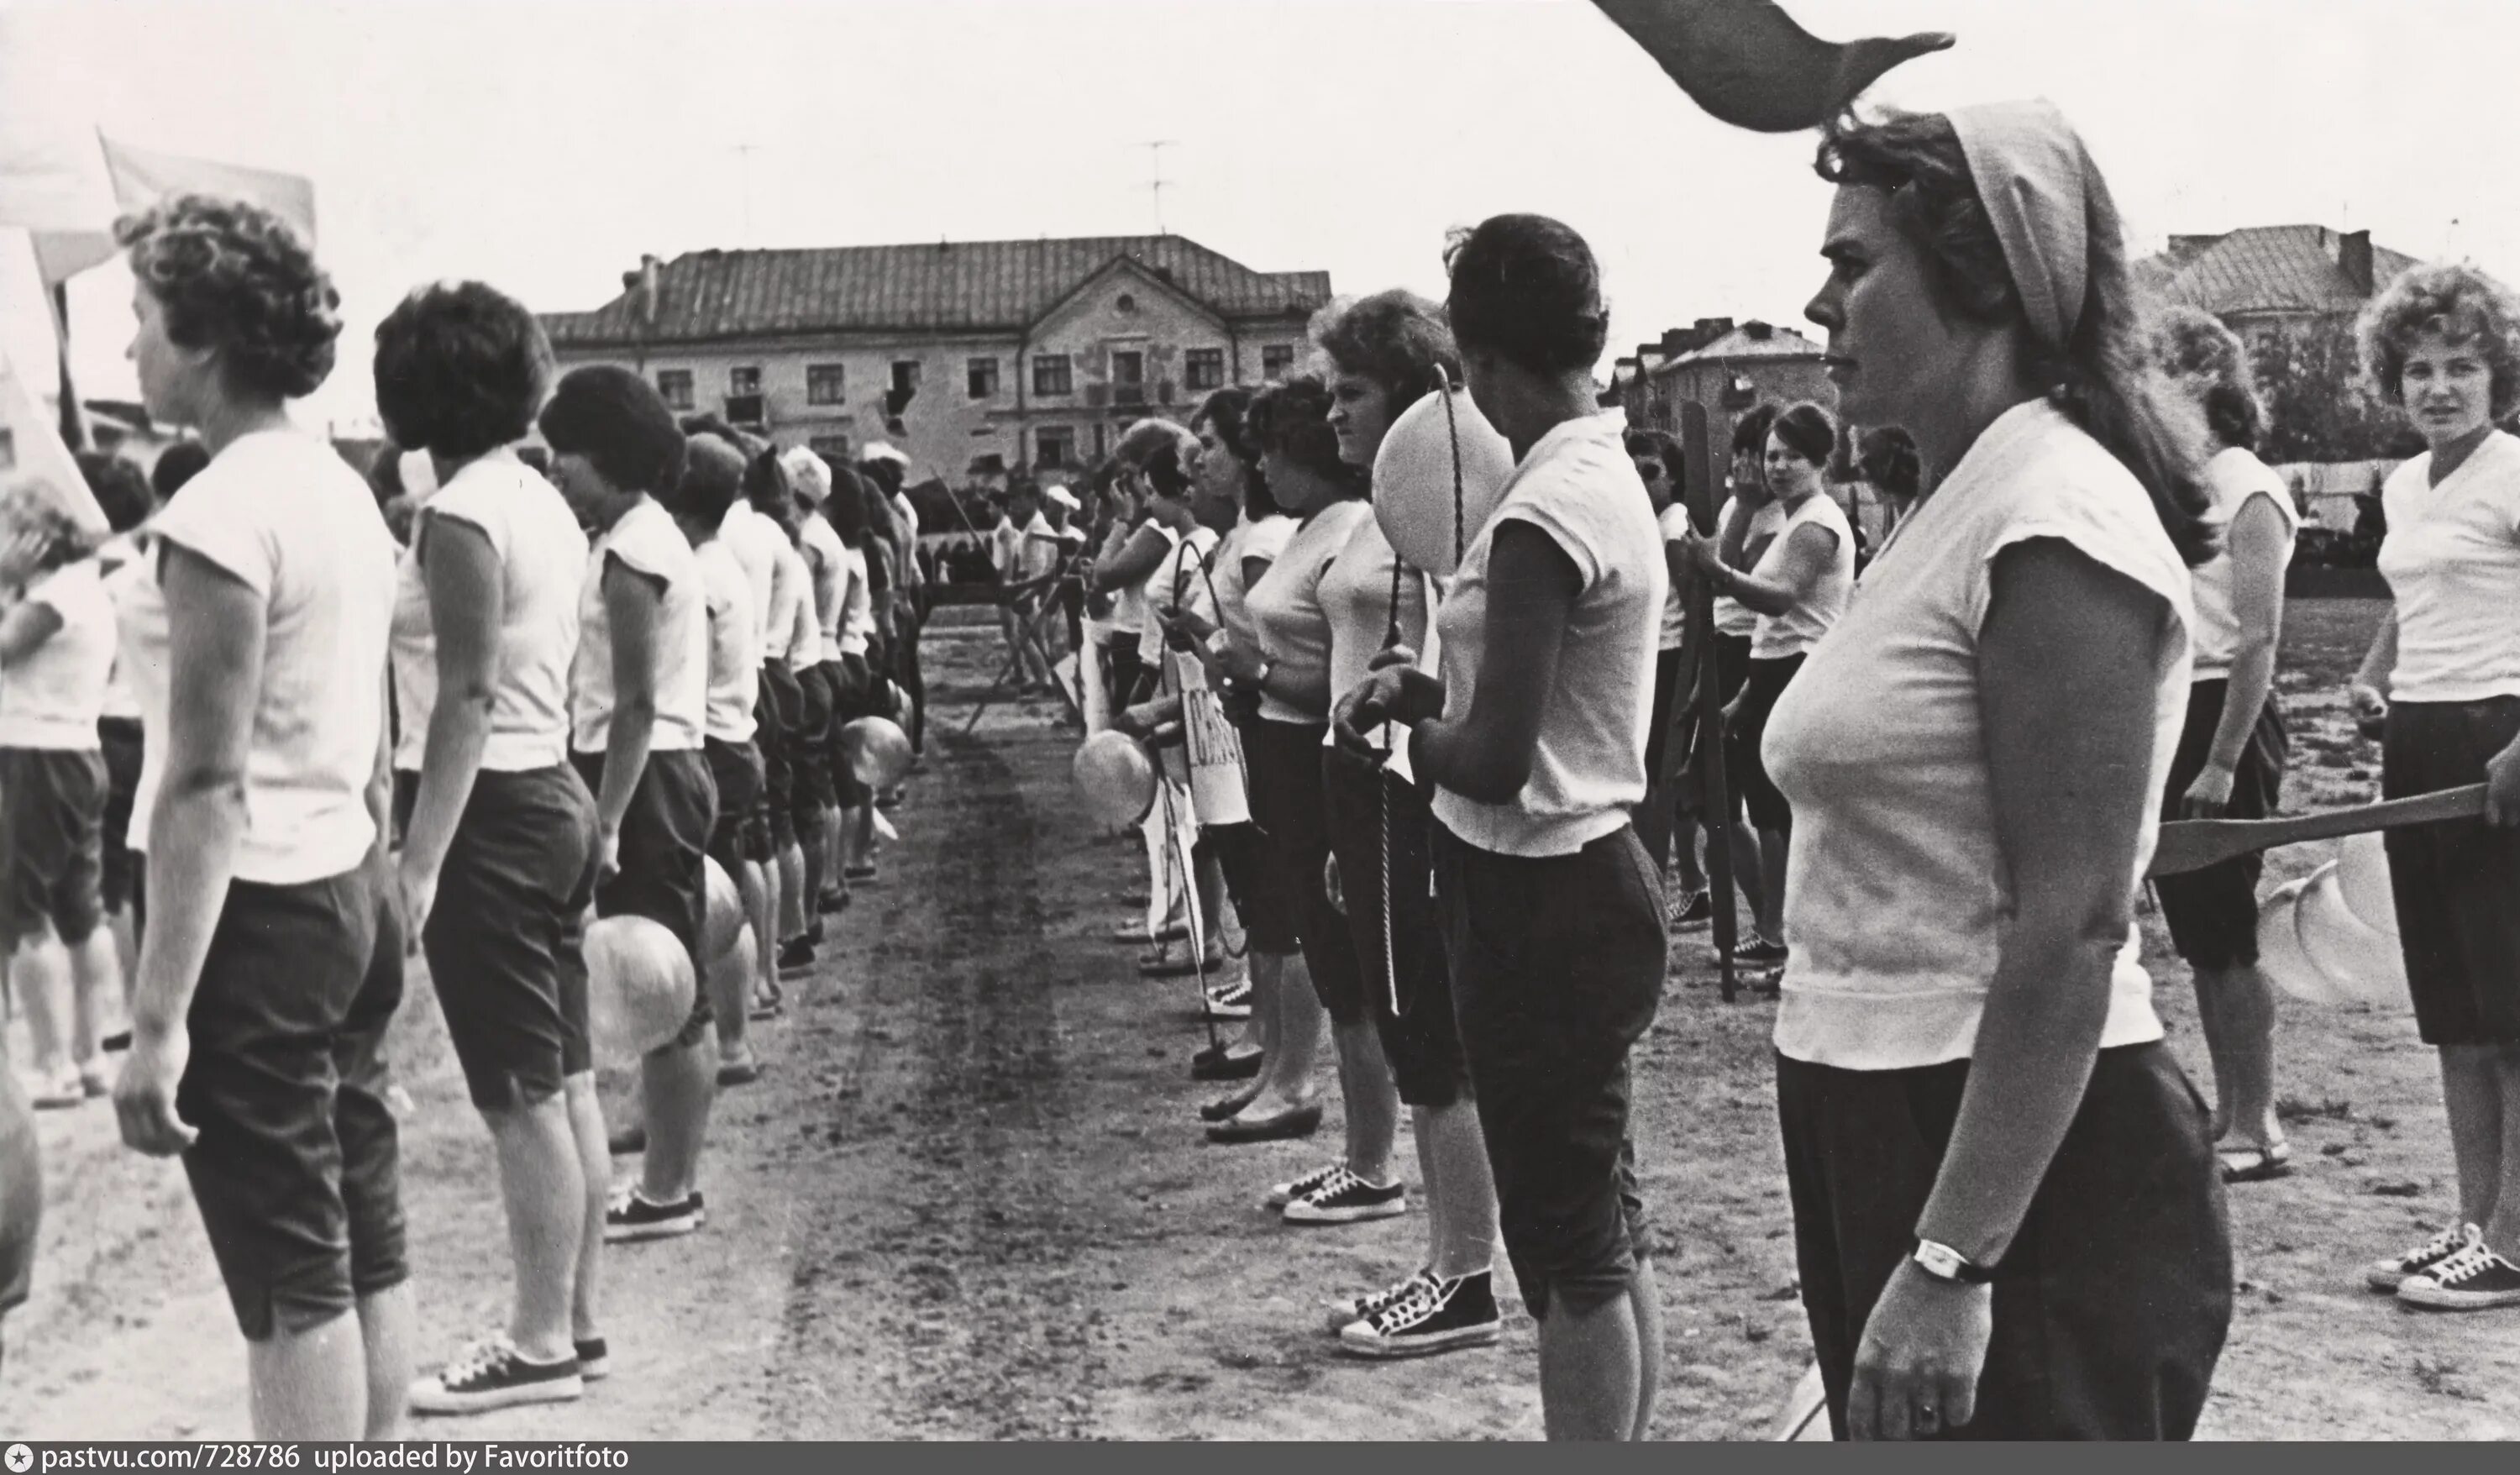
(2006, 1208)
(1534, 738)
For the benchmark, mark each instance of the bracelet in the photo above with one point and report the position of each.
(1949, 1265)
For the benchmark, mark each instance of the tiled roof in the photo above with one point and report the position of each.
(953, 285)
(2271, 268)
(1751, 341)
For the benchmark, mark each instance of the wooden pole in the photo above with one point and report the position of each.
(1697, 717)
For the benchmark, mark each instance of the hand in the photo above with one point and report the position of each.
(144, 1095)
(2209, 795)
(1242, 663)
(2503, 788)
(1137, 721)
(419, 897)
(1701, 553)
(1918, 1366)
(2371, 707)
(1185, 625)
(22, 556)
(608, 852)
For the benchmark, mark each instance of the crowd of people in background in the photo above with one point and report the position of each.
(263, 736)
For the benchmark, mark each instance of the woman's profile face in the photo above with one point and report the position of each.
(1789, 475)
(1889, 341)
(2447, 388)
(1360, 416)
(1219, 473)
(581, 486)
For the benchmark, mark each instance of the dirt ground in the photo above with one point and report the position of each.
(970, 1198)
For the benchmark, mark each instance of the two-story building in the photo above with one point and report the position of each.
(975, 358)
(1727, 368)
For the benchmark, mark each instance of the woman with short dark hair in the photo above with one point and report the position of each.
(1886, 459)
(2231, 757)
(497, 867)
(1534, 738)
(2006, 1209)
(2442, 680)
(267, 978)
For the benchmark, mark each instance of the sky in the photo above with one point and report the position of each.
(544, 146)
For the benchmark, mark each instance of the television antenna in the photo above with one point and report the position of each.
(1155, 180)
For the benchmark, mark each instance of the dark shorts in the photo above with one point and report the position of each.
(52, 843)
(1557, 969)
(506, 937)
(743, 829)
(1732, 664)
(2213, 913)
(1260, 880)
(1284, 760)
(664, 860)
(2457, 883)
(853, 686)
(2112, 1302)
(296, 1169)
(1743, 766)
(778, 709)
(119, 739)
(809, 750)
(1419, 1037)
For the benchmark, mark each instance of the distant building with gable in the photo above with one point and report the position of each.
(1727, 367)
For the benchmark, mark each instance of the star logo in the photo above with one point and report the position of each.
(20, 1459)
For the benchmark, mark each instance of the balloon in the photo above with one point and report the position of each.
(2363, 875)
(2363, 966)
(1806, 1416)
(639, 987)
(1413, 490)
(1114, 777)
(1746, 62)
(2281, 953)
(725, 916)
(877, 750)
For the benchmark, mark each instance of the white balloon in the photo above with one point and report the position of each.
(639, 987)
(2363, 964)
(877, 751)
(1114, 777)
(2281, 953)
(2363, 875)
(1424, 510)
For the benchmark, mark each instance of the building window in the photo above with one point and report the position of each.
(744, 379)
(1050, 375)
(1203, 368)
(827, 385)
(674, 386)
(905, 374)
(1054, 445)
(1277, 360)
(982, 376)
(834, 448)
(1127, 303)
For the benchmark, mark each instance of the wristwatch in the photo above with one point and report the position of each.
(1260, 678)
(1944, 1263)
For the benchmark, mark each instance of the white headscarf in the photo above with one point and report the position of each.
(2037, 181)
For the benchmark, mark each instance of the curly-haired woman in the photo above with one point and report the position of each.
(266, 981)
(56, 654)
(2231, 756)
(2006, 1208)
(2444, 343)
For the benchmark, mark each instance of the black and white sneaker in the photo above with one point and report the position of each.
(492, 1375)
(631, 1217)
(1345, 1198)
(1282, 1194)
(2389, 1275)
(1759, 952)
(2476, 1278)
(1696, 914)
(1351, 1308)
(1433, 1316)
(1230, 1000)
(594, 1359)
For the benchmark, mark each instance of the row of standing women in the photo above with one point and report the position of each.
(582, 722)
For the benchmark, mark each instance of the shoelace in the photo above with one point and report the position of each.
(477, 1360)
(1339, 1182)
(1422, 1300)
(2445, 1245)
(2466, 1264)
(1372, 1308)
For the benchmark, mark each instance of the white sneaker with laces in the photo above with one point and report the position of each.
(2388, 1275)
(489, 1374)
(2476, 1278)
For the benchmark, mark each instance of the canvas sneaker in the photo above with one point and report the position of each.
(1352, 1309)
(2475, 1278)
(1694, 913)
(631, 1217)
(1231, 1000)
(1282, 1194)
(1345, 1198)
(1433, 1316)
(2389, 1275)
(492, 1375)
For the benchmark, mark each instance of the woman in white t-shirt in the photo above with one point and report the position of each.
(270, 972)
(55, 656)
(497, 865)
(1533, 740)
(2231, 757)
(1670, 834)
(638, 695)
(1798, 586)
(2006, 1208)
(2442, 680)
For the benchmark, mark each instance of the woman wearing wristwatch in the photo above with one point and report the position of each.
(2006, 1208)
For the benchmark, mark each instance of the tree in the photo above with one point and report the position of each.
(2319, 405)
